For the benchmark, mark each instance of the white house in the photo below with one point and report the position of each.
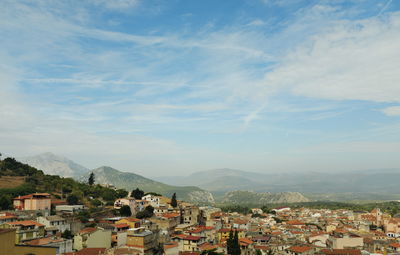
(153, 200)
(55, 221)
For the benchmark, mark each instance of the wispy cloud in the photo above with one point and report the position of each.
(67, 75)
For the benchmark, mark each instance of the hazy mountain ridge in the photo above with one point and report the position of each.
(55, 165)
(58, 165)
(366, 181)
(130, 181)
(250, 197)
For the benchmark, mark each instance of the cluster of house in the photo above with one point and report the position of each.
(190, 229)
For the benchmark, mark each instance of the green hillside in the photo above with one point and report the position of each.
(130, 181)
(58, 187)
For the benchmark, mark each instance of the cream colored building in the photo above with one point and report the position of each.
(36, 201)
(92, 238)
(345, 242)
(143, 240)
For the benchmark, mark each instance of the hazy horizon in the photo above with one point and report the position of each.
(156, 87)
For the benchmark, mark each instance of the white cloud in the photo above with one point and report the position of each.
(351, 60)
(392, 111)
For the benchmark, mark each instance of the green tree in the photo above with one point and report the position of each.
(72, 199)
(91, 179)
(5, 202)
(236, 245)
(67, 234)
(121, 193)
(96, 202)
(174, 203)
(229, 242)
(258, 252)
(137, 193)
(125, 211)
(233, 246)
(148, 212)
(84, 216)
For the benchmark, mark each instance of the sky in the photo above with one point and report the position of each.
(172, 87)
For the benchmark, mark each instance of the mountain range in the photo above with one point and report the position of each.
(59, 165)
(217, 185)
(364, 185)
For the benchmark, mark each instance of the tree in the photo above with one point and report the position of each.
(72, 199)
(236, 245)
(229, 242)
(121, 193)
(91, 179)
(148, 212)
(67, 234)
(125, 211)
(174, 203)
(96, 202)
(5, 202)
(137, 193)
(233, 246)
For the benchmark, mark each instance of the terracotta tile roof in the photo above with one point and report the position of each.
(261, 247)
(170, 215)
(121, 225)
(395, 245)
(300, 249)
(207, 246)
(188, 237)
(245, 241)
(341, 251)
(8, 217)
(170, 245)
(294, 222)
(32, 195)
(87, 230)
(25, 223)
(44, 241)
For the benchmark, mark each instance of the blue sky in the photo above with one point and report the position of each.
(171, 87)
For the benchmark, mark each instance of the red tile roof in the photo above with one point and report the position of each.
(122, 225)
(261, 247)
(25, 223)
(207, 246)
(188, 237)
(170, 215)
(395, 245)
(294, 222)
(47, 195)
(245, 241)
(300, 249)
(87, 230)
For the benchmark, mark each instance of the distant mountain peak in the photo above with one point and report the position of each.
(54, 164)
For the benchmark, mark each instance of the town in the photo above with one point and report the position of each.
(155, 224)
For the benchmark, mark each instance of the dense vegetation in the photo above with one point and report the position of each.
(65, 188)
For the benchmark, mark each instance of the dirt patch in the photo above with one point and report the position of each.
(7, 182)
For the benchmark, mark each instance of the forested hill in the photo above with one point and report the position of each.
(17, 179)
